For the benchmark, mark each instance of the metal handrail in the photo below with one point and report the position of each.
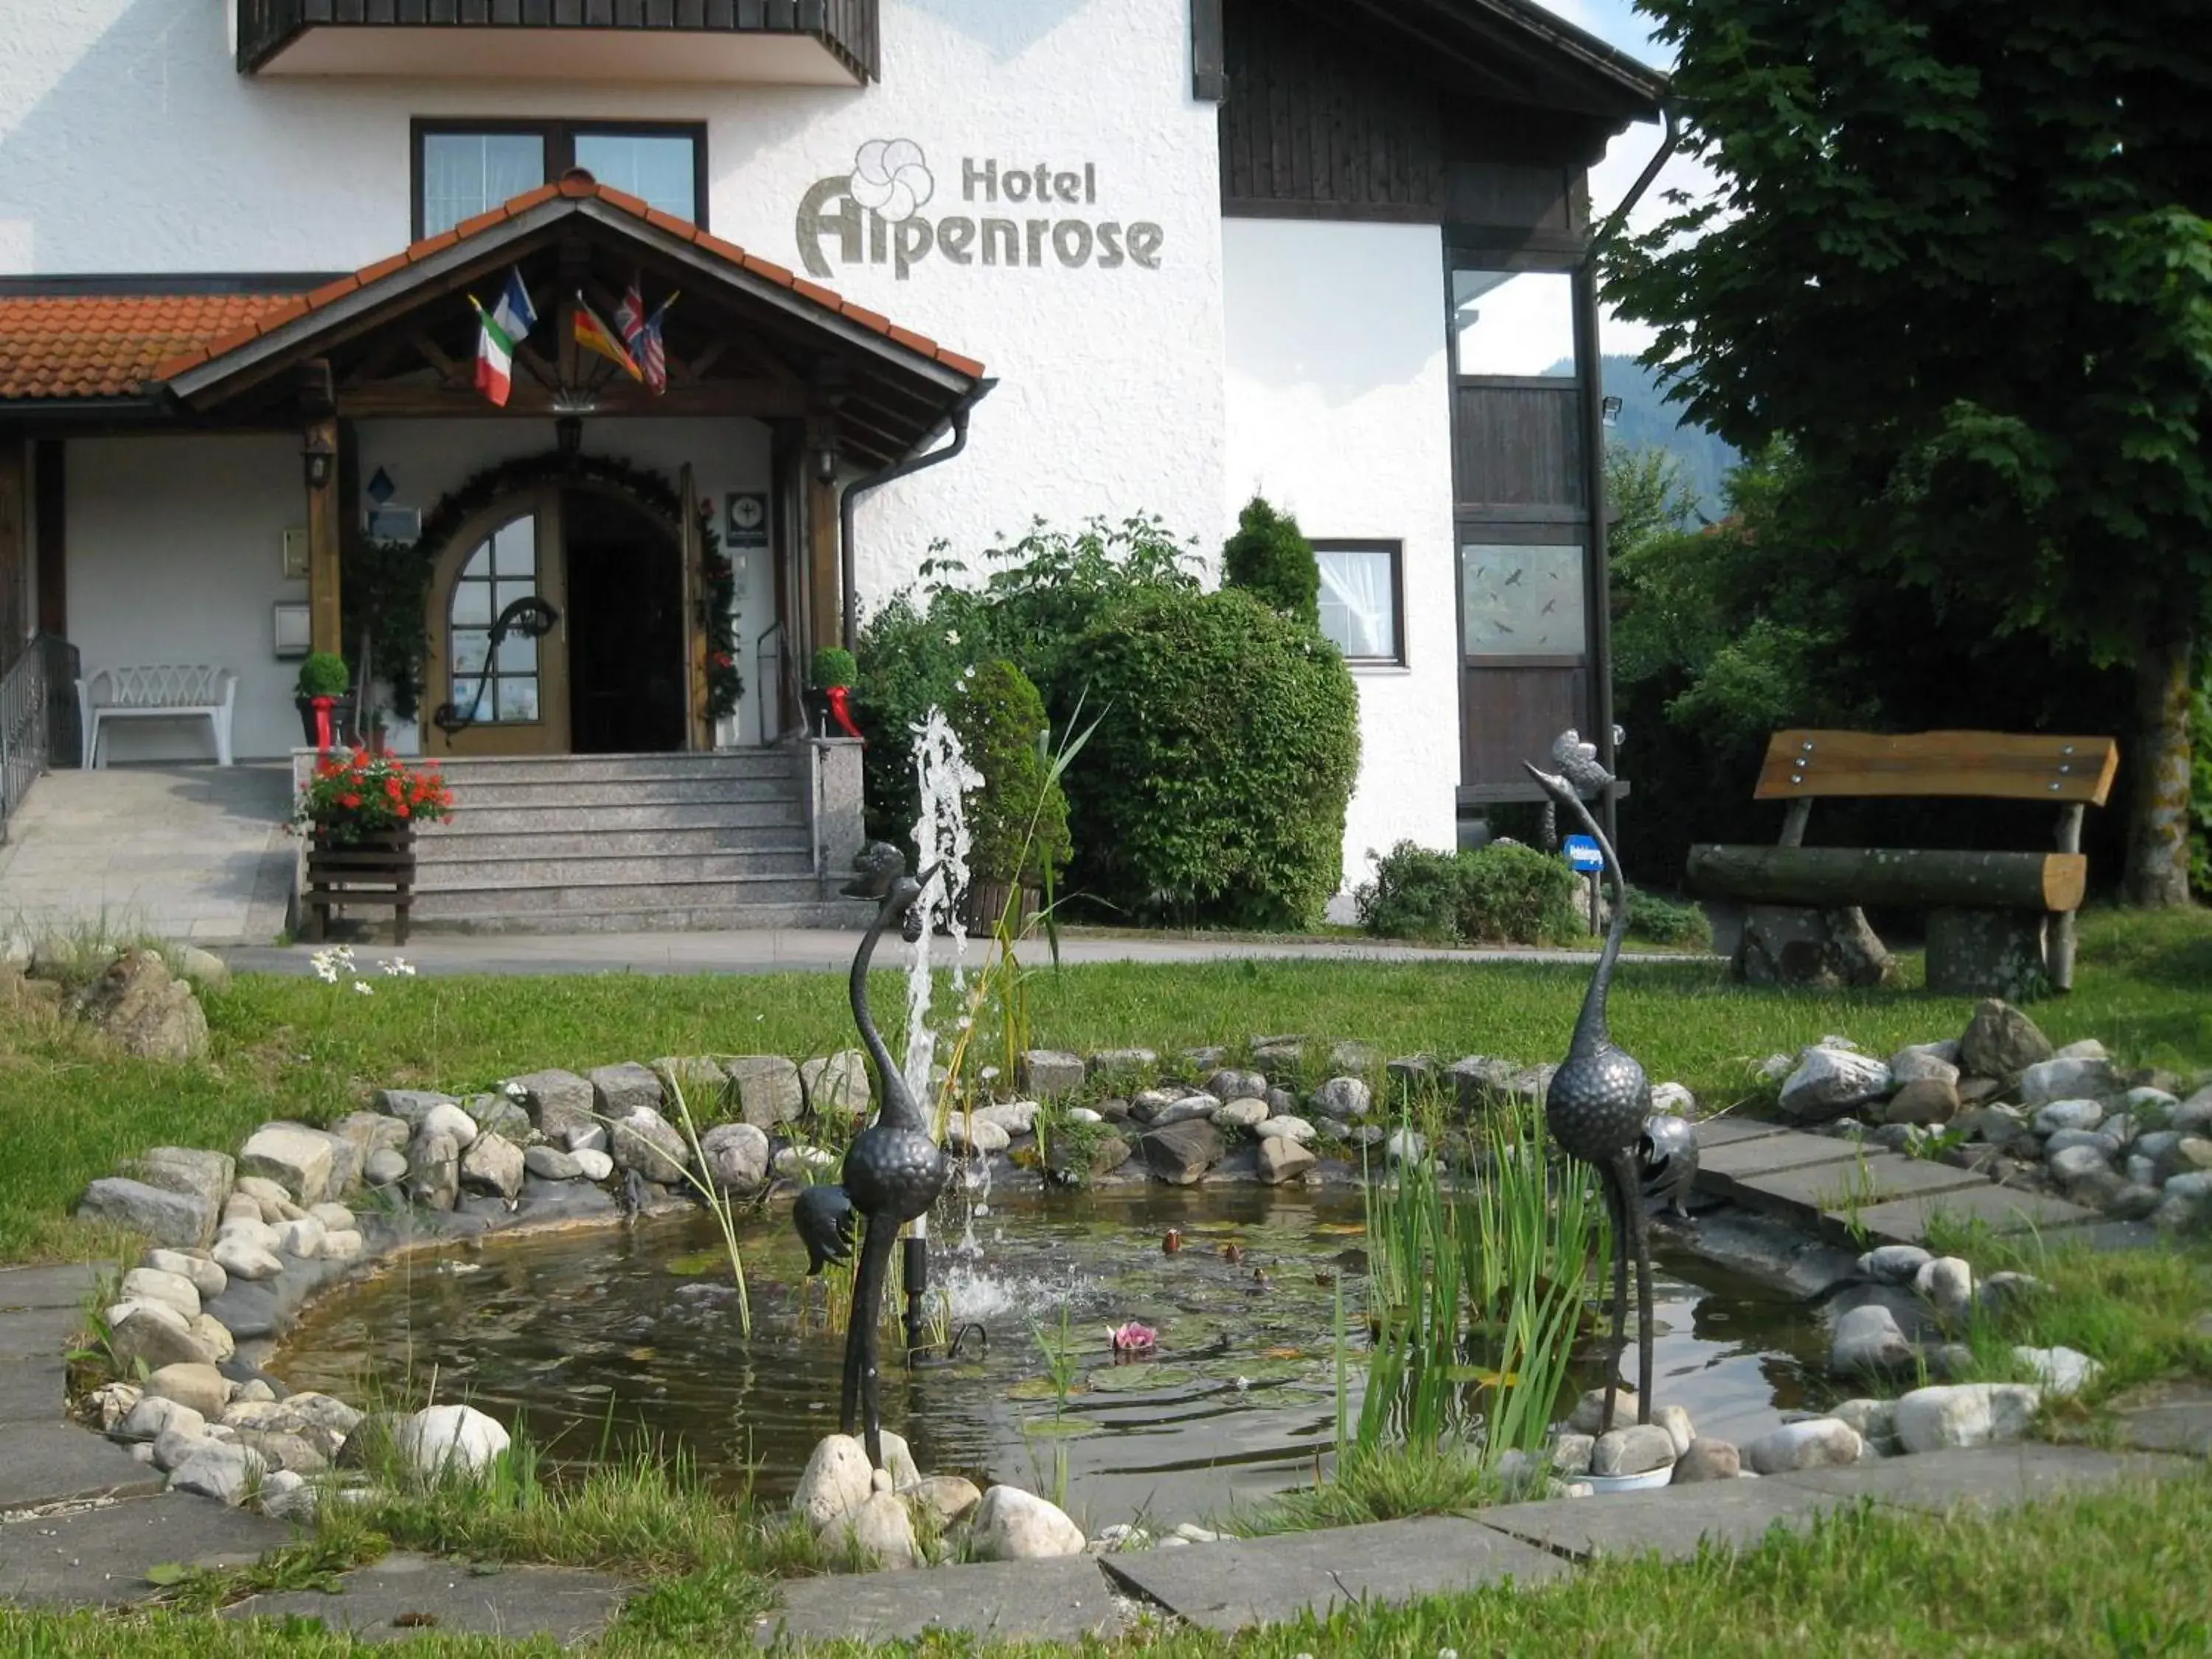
(26, 724)
(770, 680)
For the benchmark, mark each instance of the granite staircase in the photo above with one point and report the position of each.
(626, 843)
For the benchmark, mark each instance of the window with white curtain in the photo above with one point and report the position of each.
(1359, 601)
(463, 169)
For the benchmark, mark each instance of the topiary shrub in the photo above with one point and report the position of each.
(1414, 894)
(1510, 893)
(1270, 558)
(833, 666)
(324, 674)
(1214, 787)
(1018, 821)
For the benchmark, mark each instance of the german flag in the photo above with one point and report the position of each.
(593, 334)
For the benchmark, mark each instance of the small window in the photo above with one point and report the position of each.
(1520, 324)
(1360, 606)
(463, 169)
(502, 569)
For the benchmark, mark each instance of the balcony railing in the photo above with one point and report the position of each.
(826, 41)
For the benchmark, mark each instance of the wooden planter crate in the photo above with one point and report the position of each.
(986, 902)
(375, 870)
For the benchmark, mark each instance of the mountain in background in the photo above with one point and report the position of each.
(1648, 421)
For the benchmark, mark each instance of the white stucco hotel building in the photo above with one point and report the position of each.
(1129, 256)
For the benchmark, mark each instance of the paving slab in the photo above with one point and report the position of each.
(1728, 1131)
(1238, 1583)
(1723, 1167)
(1831, 1195)
(2168, 1417)
(404, 1595)
(1672, 1522)
(1983, 1478)
(100, 1557)
(48, 1287)
(2000, 1209)
(38, 1333)
(1061, 1600)
(32, 1390)
(57, 1462)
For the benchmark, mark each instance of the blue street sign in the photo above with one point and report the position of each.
(1582, 855)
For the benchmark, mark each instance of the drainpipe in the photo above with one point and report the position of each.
(1594, 445)
(875, 481)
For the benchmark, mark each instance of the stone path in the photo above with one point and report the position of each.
(198, 854)
(1238, 1583)
(1841, 1191)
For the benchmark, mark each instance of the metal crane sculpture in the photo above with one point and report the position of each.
(893, 1170)
(1668, 1155)
(1599, 1102)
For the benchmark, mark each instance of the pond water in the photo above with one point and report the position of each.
(600, 1341)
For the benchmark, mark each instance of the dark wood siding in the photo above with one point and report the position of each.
(1519, 445)
(847, 27)
(1509, 714)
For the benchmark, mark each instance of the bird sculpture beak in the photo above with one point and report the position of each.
(1549, 783)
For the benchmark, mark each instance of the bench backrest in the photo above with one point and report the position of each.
(1802, 765)
(159, 685)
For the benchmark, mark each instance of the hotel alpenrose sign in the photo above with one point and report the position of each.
(1030, 215)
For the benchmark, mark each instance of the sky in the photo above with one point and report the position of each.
(1617, 23)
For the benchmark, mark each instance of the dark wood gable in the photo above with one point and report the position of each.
(1327, 115)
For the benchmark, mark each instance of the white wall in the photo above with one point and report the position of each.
(1339, 410)
(175, 555)
(424, 459)
(129, 142)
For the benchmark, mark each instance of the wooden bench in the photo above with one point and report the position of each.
(167, 692)
(1997, 920)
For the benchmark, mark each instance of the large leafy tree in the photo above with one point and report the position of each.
(1959, 257)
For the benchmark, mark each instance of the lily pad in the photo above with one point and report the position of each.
(1060, 1428)
(1257, 1371)
(697, 1262)
(1039, 1388)
(1139, 1379)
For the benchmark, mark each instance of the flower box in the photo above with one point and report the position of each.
(369, 868)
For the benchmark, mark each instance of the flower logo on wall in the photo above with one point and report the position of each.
(890, 178)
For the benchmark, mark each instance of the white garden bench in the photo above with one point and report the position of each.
(158, 691)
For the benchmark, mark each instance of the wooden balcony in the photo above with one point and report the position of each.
(787, 42)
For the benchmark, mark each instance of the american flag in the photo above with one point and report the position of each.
(652, 350)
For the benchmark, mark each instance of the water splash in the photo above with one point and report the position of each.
(943, 778)
(977, 1293)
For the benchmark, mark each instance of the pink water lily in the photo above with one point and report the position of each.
(1134, 1338)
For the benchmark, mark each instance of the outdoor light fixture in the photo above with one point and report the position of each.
(825, 465)
(1609, 408)
(318, 452)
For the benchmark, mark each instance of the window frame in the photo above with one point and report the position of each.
(560, 140)
(1395, 547)
(488, 685)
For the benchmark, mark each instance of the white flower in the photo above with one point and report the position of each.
(952, 636)
(398, 968)
(516, 1091)
(364, 987)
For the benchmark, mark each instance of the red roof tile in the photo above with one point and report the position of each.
(82, 346)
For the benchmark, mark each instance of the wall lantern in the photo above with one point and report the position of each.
(318, 452)
(1609, 410)
(825, 464)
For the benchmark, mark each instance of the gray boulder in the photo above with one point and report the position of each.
(1816, 1443)
(412, 1106)
(434, 1171)
(2001, 1043)
(184, 1169)
(1894, 1264)
(1050, 1072)
(385, 1166)
(1636, 1450)
(141, 1008)
(1181, 1153)
(218, 1469)
(1230, 1084)
(1828, 1082)
(1013, 1525)
(558, 1102)
(1343, 1098)
(1965, 1414)
(1868, 1339)
(295, 1157)
(1923, 1102)
(2067, 1076)
(1708, 1460)
(737, 1156)
(182, 1221)
(494, 1164)
(550, 1163)
(1282, 1158)
(643, 1140)
(143, 1336)
(619, 1090)
(836, 1085)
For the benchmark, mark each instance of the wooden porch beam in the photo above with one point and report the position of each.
(761, 398)
(322, 540)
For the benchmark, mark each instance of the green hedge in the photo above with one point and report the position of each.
(1270, 558)
(1214, 789)
(1506, 893)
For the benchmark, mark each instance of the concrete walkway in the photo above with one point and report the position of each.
(197, 854)
(83, 1523)
(777, 951)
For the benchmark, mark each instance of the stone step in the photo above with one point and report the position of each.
(612, 863)
(750, 811)
(572, 793)
(696, 919)
(736, 763)
(734, 893)
(461, 842)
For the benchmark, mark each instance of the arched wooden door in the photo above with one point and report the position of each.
(517, 698)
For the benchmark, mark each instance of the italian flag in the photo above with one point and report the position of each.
(500, 331)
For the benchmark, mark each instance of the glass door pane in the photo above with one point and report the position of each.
(1514, 323)
(1523, 601)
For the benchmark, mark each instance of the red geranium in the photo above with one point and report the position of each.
(365, 791)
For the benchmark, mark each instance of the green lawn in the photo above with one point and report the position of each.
(298, 1048)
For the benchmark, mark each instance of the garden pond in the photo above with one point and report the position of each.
(601, 1343)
